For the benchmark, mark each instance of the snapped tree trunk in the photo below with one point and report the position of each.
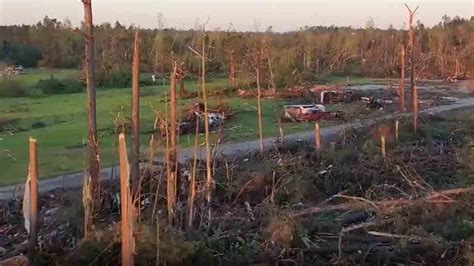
(232, 73)
(93, 145)
(33, 197)
(401, 89)
(172, 151)
(209, 180)
(126, 206)
(411, 43)
(135, 130)
(259, 110)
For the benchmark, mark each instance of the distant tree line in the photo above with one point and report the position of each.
(296, 57)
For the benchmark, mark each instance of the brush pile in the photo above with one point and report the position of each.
(347, 205)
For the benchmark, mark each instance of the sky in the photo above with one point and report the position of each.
(241, 15)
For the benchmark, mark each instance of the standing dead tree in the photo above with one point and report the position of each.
(209, 169)
(126, 206)
(401, 88)
(382, 145)
(171, 165)
(255, 61)
(317, 138)
(271, 78)
(232, 71)
(209, 180)
(192, 183)
(30, 199)
(93, 146)
(411, 45)
(135, 127)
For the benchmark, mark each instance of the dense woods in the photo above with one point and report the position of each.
(442, 50)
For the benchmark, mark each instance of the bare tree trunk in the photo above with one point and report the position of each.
(182, 89)
(232, 73)
(135, 130)
(209, 180)
(382, 145)
(317, 138)
(126, 206)
(33, 176)
(171, 158)
(397, 126)
(411, 42)
(401, 90)
(270, 69)
(259, 110)
(93, 146)
(192, 184)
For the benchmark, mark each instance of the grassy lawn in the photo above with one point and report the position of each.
(32, 76)
(58, 122)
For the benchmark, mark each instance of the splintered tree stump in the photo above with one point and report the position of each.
(317, 138)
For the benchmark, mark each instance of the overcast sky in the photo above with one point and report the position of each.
(241, 14)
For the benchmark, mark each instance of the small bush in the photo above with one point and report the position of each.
(38, 124)
(55, 86)
(50, 86)
(73, 86)
(119, 78)
(12, 88)
(146, 82)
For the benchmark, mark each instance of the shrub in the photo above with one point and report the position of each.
(73, 86)
(118, 78)
(12, 88)
(55, 86)
(50, 86)
(146, 82)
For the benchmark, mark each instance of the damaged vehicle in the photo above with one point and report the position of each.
(336, 96)
(307, 113)
(374, 103)
(331, 94)
(187, 123)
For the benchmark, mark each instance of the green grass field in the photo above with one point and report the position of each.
(32, 76)
(58, 122)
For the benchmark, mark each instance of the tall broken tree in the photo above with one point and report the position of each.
(209, 180)
(126, 206)
(30, 199)
(93, 146)
(232, 71)
(171, 165)
(401, 89)
(255, 61)
(135, 127)
(411, 45)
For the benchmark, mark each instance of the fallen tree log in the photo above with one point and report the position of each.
(435, 197)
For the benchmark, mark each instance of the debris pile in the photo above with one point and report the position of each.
(346, 206)
(216, 117)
